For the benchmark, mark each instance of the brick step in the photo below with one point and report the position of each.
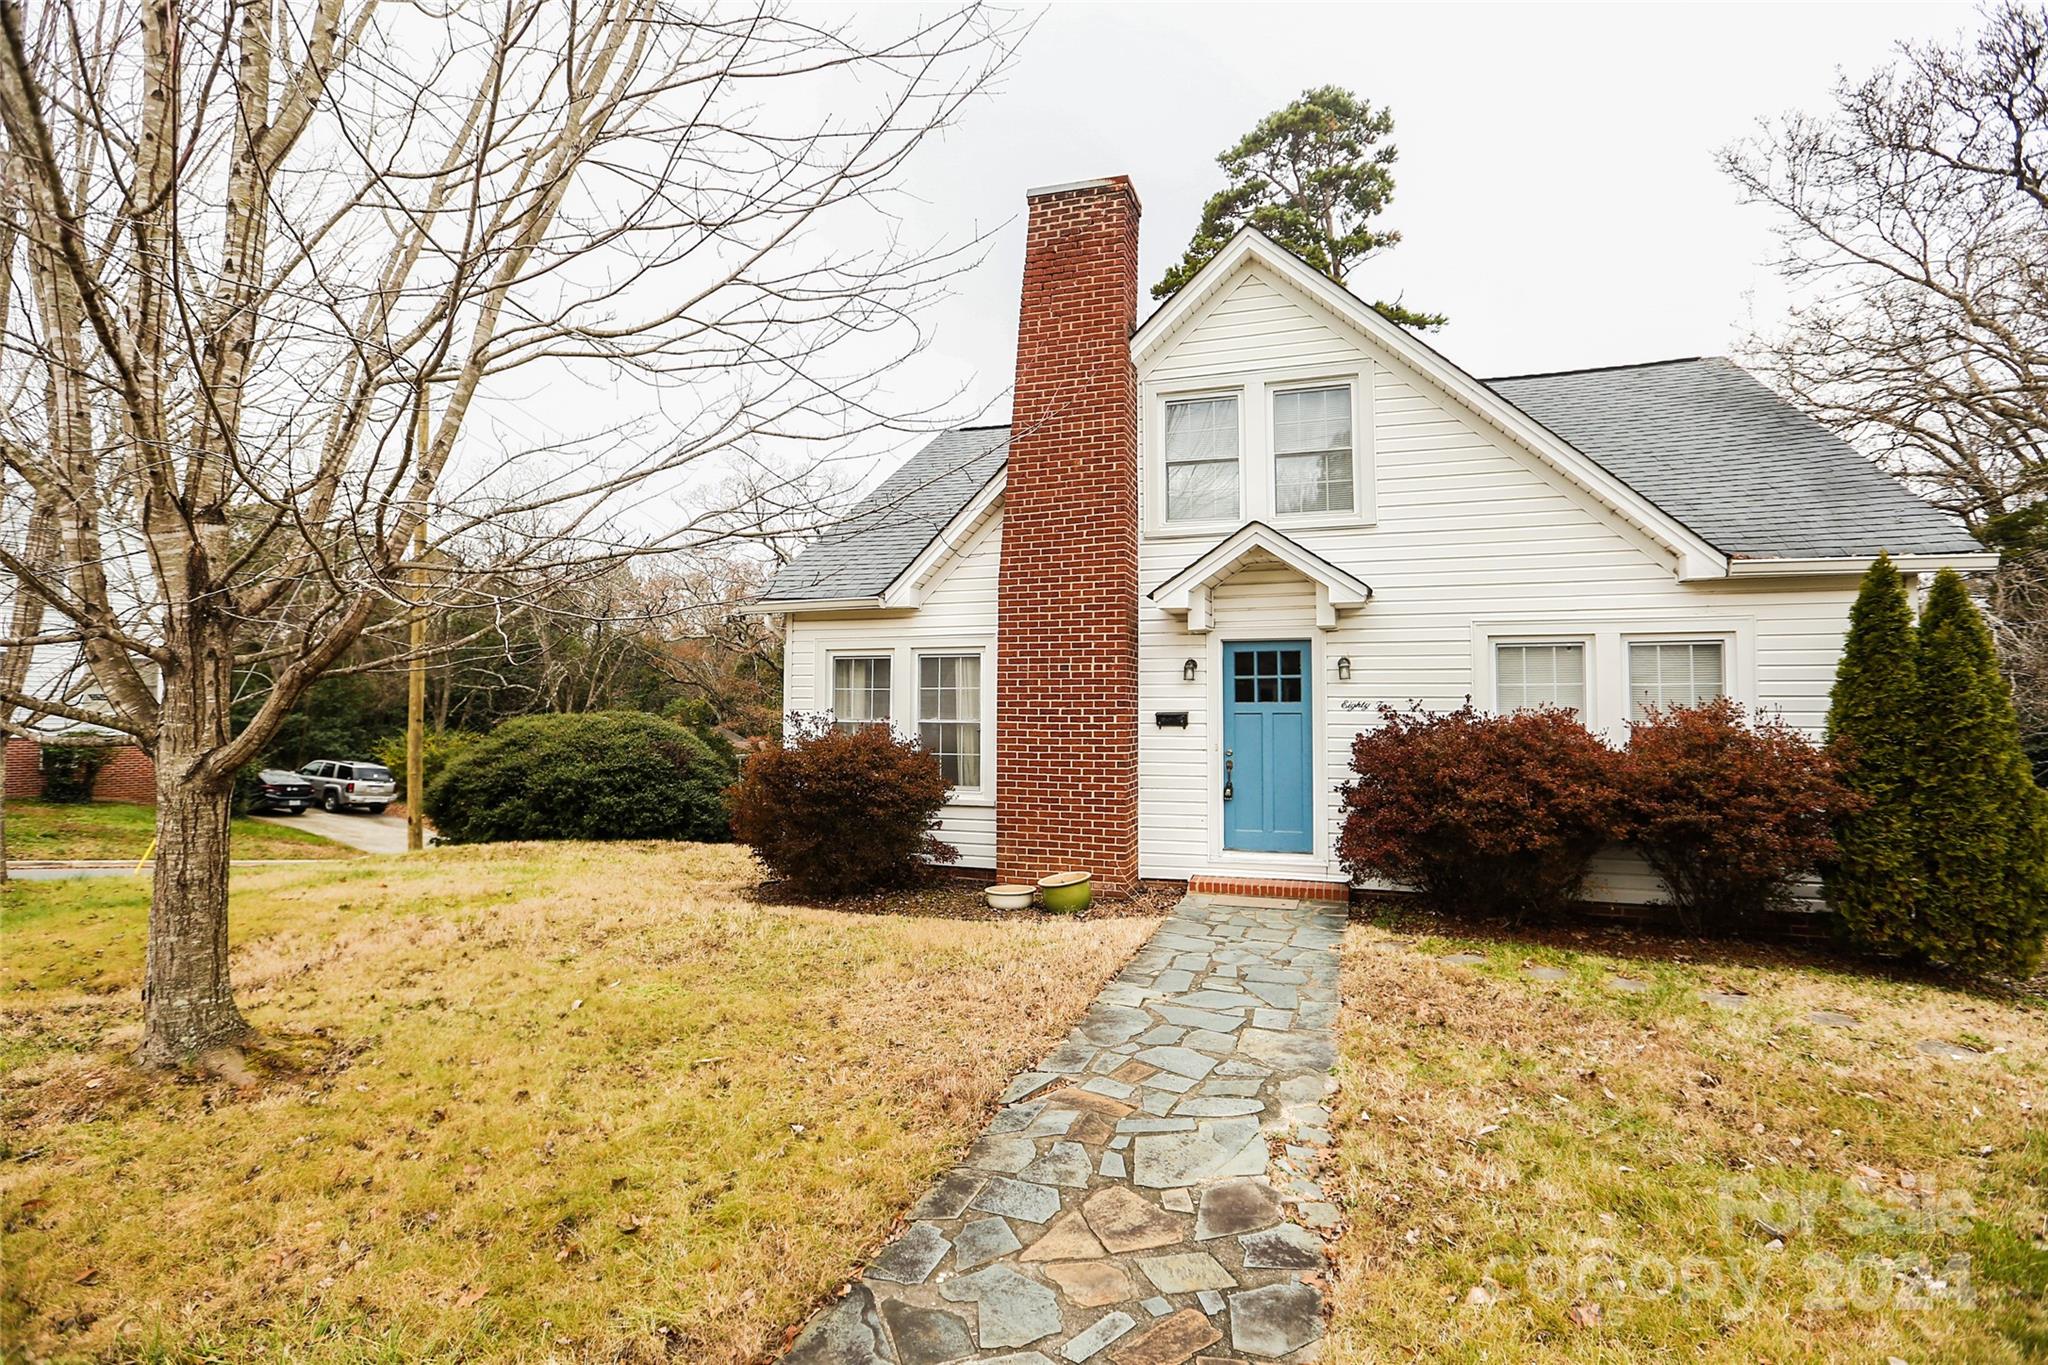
(1269, 888)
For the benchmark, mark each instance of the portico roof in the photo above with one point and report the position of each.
(1187, 592)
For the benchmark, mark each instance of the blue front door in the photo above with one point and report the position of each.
(1267, 805)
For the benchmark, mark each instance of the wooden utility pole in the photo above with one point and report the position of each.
(416, 679)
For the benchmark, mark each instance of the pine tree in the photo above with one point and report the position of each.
(1870, 719)
(1311, 176)
(1981, 823)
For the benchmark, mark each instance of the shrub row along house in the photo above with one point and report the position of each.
(1141, 626)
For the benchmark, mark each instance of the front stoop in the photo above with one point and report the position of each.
(1275, 889)
(1147, 1195)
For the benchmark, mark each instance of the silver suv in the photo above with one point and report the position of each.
(341, 785)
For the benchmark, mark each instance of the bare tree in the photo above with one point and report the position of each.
(1914, 218)
(563, 282)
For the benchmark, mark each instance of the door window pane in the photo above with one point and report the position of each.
(1201, 459)
(1674, 673)
(1312, 450)
(1539, 675)
(1266, 675)
(949, 714)
(860, 691)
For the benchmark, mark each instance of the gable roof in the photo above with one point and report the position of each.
(1754, 476)
(863, 555)
(1696, 452)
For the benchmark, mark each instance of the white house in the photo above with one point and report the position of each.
(1141, 626)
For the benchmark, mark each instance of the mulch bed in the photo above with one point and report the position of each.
(948, 899)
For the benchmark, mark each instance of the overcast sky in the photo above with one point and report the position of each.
(1556, 187)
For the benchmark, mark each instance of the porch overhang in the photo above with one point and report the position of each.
(1187, 592)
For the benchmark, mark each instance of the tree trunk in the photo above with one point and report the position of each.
(188, 1006)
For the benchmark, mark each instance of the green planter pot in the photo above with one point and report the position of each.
(1066, 893)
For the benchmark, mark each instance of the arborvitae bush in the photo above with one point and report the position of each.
(1980, 821)
(1488, 815)
(836, 812)
(601, 775)
(1729, 813)
(1872, 882)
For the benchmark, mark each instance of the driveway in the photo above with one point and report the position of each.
(370, 833)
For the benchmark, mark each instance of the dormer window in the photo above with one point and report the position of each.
(1312, 460)
(1201, 448)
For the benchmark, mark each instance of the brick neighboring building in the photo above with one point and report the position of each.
(127, 775)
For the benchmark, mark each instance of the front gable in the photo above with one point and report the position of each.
(1256, 318)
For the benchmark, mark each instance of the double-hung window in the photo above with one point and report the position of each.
(1666, 673)
(949, 714)
(1312, 463)
(1530, 675)
(860, 690)
(1201, 459)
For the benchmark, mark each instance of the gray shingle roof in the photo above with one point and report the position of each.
(1745, 470)
(1703, 439)
(862, 555)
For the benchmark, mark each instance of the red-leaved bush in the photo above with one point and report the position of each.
(1729, 811)
(838, 812)
(1481, 814)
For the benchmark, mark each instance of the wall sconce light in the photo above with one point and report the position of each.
(1344, 669)
(1187, 671)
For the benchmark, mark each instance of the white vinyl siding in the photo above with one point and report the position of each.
(1312, 455)
(949, 714)
(1526, 676)
(1667, 673)
(1201, 446)
(1468, 542)
(860, 690)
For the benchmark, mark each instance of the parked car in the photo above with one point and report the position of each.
(346, 785)
(281, 789)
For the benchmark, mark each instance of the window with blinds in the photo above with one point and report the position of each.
(860, 690)
(1674, 673)
(1539, 675)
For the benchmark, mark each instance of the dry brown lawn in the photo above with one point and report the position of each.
(1561, 1171)
(515, 1103)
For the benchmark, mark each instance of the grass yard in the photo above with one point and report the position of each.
(1561, 1170)
(514, 1103)
(121, 829)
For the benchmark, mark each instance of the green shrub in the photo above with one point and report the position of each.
(1872, 882)
(1489, 815)
(437, 747)
(1729, 813)
(1981, 822)
(69, 770)
(836, 812)
(603, 775)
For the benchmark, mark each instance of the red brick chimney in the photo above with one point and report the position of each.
(1067, 615)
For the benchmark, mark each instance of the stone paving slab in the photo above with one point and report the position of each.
(1141, 1196)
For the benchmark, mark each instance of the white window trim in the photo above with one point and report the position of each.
(1155, 464)
(1255, 467)
(1607, 637)
(903, 669)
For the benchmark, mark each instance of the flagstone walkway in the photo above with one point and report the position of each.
(1140, 1198)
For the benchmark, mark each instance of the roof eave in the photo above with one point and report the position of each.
(1826, 565)
(789, 606)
